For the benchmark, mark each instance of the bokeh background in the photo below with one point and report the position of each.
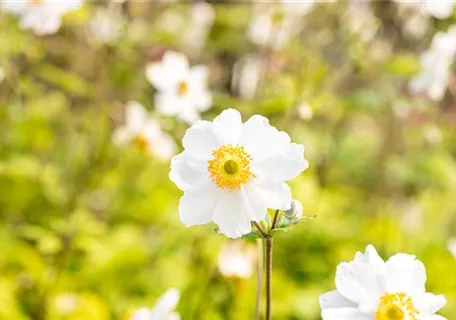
(90, 230)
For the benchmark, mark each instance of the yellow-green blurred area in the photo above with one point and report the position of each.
(90, 230)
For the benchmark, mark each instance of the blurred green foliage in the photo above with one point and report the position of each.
(89, 230)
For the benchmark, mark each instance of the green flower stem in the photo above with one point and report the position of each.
(269, 244)
(268, 241)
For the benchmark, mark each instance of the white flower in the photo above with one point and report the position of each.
(441, 9)
(273, 25)
(202, 15)
(163, 309)
(231, 172)
(144, 132)
(370, 289)
(435, 65)
(41, 16)
(182, 91)
(235, 261)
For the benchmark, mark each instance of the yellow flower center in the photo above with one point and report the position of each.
(36, 2)
(182, 88)
(140, 142)
(230, 167)
(398, 306)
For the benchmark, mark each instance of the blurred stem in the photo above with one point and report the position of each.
(259, 275)
(269, 244)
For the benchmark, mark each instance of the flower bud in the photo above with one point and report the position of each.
(295, 211)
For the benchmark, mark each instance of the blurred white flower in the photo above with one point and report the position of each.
(370, 289)
(41, 16)
(2, 74)
(437, 9)
(246, 75)
(435, 65)
(202, 15)
(232, 172)
(361, 20)
(236, 261)
(106, 25)
(182, 91)
(305, 111)
(452, 246)
(144, 132)
(274, 24)
(163, 309)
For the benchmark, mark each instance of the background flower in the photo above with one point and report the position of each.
(182, 91)
(369, 288)
(41, 16)
(163, 309)
(144, 133)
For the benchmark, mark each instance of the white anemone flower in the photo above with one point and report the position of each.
(369, 288)
(236, 261)
(232, 172)
(182, 91)
(163, 309)
(43, 17)
(144, 132)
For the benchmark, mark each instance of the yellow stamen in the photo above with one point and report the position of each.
(182, 88)
(230, 167)
(141, 143)
(398, 306)
(36, 2)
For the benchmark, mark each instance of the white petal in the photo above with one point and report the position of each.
(41, 24)
(371, 257)
(358, 282)
(334, 299)
(199, 140)
(186, 171)
(284, 166)
(122, 136)
(202, 100)
(167, 302)
(405, 274)
(136, 116)
(344, 314)
(227, 127)
(196, 206)
(163, 147)
(262, 140)
(268, 194)
(188, 113)
(429, 303)
(228, 216)
(198, 75)
(165, 75)
(169, 103)
(142, 314)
